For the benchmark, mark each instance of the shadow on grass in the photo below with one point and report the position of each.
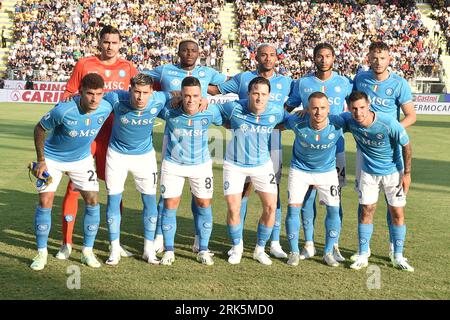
(433, 124)
(18, 227)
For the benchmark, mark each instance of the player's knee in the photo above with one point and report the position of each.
(397, 216)
(270, 207)
(233, 214)
(203, 203)
(46, 199)
(367, 213)
(171, 203)
(90, 198)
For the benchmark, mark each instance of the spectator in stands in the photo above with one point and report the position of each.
(29, 85)
(443, 17)
(295, 27)
(3, 38)
(58, 33)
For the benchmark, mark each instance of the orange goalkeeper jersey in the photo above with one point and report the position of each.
(117, 76)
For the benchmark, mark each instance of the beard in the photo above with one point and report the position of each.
(324, 69)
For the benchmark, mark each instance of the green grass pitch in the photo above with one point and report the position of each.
(427, 244)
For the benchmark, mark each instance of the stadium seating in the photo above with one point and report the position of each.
(51, 35)
(350, 26)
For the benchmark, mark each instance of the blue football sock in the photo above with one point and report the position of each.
(293, 227)
(91, 223)
(42, 225)
(364, 234)
(277, 226)
(160, 210)
(332, 228)
(399, 235)
(263, 234)
(113, 216)
(389, 223)
(235, 233)
(308, 214)
(195, 213)
(341, 217)
(149, 215)
(205, 220)
(169, 228)
(244, 202)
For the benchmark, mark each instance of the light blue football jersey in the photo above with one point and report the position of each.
(72, 131)
(170, 76)
(280, 86)
(378, 143)
(249, 144)
(188, 134)
(314, 150)
(385, 96)
(132, 128)
(337, 88)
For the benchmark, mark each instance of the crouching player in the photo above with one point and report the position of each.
(131, 150)
(74, 125)
(187, 156)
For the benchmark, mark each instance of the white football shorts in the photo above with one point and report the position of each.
(326, 183)
(262, 177)
(200, 179)
(341, 169)
(142, 167)
(370, 185)
(81, 172)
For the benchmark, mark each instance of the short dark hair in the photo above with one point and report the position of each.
(109, 30)
(378, 46)
(323, 45)
(258, 80)
(142, 79)
(187, 41)
(317, 95)
(92, 81)
(190, 82)
(357, 95)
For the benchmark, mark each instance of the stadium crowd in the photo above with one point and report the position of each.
(442, 14)
(296, 26)
(52, 35)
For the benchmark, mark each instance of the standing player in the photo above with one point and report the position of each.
(388, 93)
(266, 56)
(247, 155)
(170, 77)
(116, 73)
(131, 150)
(74, 126)
(314, 164)
(378, 137)
(337, 88)
(187, 156)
